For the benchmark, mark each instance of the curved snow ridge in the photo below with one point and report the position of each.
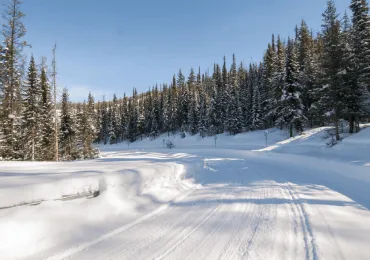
(41, 187)
(171, 179)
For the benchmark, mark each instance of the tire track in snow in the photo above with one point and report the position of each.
(332, 237)
(236, 233)
(207, 240)
(128, 249)
(183, 238)
(258, 224)
(263, 228)
(72, 251)
(308, 237)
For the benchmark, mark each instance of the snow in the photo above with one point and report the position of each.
(295, 199)
(244, 141)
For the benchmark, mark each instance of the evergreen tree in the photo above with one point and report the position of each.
(332, 98)
(67, 145)
(358, 58)
(291, 110)
(203, 107)
(87, 129)
(32, 114)
(12, 62)
(216, 101)
(234, 119)
(307, 68)
(132, 131)
(115, 129)
(124, 118)
(193, 113)
(278, 81)
(47, 119)
(243, 89)
(269, 69)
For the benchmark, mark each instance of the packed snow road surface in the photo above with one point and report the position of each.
(250, 206)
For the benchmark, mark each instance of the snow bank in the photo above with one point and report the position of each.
(130, 185)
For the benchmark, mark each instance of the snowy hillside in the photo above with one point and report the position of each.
(295, 199)
(245, 141)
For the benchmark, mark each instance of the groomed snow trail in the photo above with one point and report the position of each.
(248, 208)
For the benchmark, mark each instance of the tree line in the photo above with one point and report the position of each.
(312, 79)
(309, 80)
(31, 127)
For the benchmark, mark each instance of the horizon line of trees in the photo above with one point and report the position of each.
(310, 80)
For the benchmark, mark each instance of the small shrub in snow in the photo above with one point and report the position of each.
(170, 144)
(333, 140)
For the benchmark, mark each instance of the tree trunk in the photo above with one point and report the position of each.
(33, 145)
(291, 130)
(351, 124)
(337, 137)
(357, 124)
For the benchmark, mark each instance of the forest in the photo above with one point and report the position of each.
(312, 79)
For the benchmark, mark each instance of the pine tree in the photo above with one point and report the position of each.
(359, 63)
(132, 131)
(13, 33)
(115, 119)
(104, 123)
(278, 81)
(243, 89)
(203, 107)
(269, 69)
(234, 118)
(216, 100)
(47, 118)
(88, 130)
(183, 101)
(173, 107)
(124, 118)
(193, 113)
(255, 88)
(155, 129)
(67, 139)
(307, 68)
(291, 110)
(32, 114)
(332, 99)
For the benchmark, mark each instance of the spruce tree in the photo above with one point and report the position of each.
(12, 62)
(359, 63)
(132, 131)
(332, 97)
(307, 69)
(88, 129)
(32, 114)
(269, 69)
(291, 109)
(278, 81)
(67, 140)
(47, 118)
(203, 107)
(234, 117)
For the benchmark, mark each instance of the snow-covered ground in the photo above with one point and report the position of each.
(295, 199)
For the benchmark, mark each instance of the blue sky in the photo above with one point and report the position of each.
(112, 46)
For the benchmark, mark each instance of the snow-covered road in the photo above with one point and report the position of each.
(250, 206)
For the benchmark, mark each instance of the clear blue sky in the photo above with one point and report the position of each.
(112, 46)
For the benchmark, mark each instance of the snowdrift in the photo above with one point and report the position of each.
(129, 185)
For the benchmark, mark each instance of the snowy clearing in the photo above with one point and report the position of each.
(295, 199)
